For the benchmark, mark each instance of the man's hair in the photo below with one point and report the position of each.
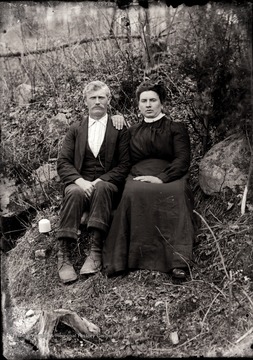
(158, 88)
(96, 85)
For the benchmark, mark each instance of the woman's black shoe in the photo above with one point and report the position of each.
(178, 273)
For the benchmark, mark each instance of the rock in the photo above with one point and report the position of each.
(242, 349)
(61, 117)
(45, 173)
(29, 313)
(174, 337)
(40, 254)
(14, 114)
(16, 198)
(225, 165)
(19, 202)
(7, 188)
(65, 111)
(24, 94)
(14, 214)
(159, 303)
(58, 123)
(23, 323)
(21, 198)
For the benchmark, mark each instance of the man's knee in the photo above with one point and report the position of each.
(104, 186)
(74, 190)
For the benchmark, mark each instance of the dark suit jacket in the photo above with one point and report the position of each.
(117, 158)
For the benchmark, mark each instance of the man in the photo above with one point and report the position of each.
(93, 164)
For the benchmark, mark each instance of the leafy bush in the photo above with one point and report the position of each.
(205, 68)
(218, 61)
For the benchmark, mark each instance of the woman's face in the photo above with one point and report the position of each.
(149, 104)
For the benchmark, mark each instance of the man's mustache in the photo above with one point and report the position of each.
(98, 106)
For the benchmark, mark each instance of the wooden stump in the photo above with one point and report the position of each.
(49, 319)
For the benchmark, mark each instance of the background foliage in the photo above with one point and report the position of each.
(201, 53)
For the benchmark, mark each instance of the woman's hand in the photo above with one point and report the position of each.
(149, 179)
(118, 121)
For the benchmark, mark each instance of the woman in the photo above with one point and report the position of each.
(153, 225)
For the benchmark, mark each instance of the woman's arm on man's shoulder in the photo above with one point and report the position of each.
(119, 121)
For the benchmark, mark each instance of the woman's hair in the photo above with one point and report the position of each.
(96, 85)
(159, 88)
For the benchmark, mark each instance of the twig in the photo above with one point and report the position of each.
(230, 303)
(208, 310)
(245, 335)
(179, 285)
(247, 296)
(63, 46)
(216, 241)
(244, 198)
(167, 314)
(190, 340)
(210, 284)
(214, 216)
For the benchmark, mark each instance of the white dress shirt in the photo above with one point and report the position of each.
(96, 133)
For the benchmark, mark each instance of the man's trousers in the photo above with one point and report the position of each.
(76, 202)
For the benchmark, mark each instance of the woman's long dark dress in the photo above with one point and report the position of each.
(153, 225)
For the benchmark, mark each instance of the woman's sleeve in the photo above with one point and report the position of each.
(181, 154)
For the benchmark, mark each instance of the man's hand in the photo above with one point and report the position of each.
(118, 121)
(86, 185)
(96, 181)
(149, 179)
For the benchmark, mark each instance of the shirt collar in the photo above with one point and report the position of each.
(102, 121)
(151, 120)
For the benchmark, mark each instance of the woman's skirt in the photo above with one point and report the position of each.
(152, 228)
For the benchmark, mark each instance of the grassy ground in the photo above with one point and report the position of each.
(138, 313)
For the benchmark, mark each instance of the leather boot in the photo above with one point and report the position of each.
(65, 268)
(93, 262)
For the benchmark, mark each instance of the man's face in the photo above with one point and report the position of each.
(97, 102)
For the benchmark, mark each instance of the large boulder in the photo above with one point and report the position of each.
(19, 202)
(24, 94)
(17, 198)
(225, 165)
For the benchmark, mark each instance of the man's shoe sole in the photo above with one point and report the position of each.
(90, 272)
(65, 281)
